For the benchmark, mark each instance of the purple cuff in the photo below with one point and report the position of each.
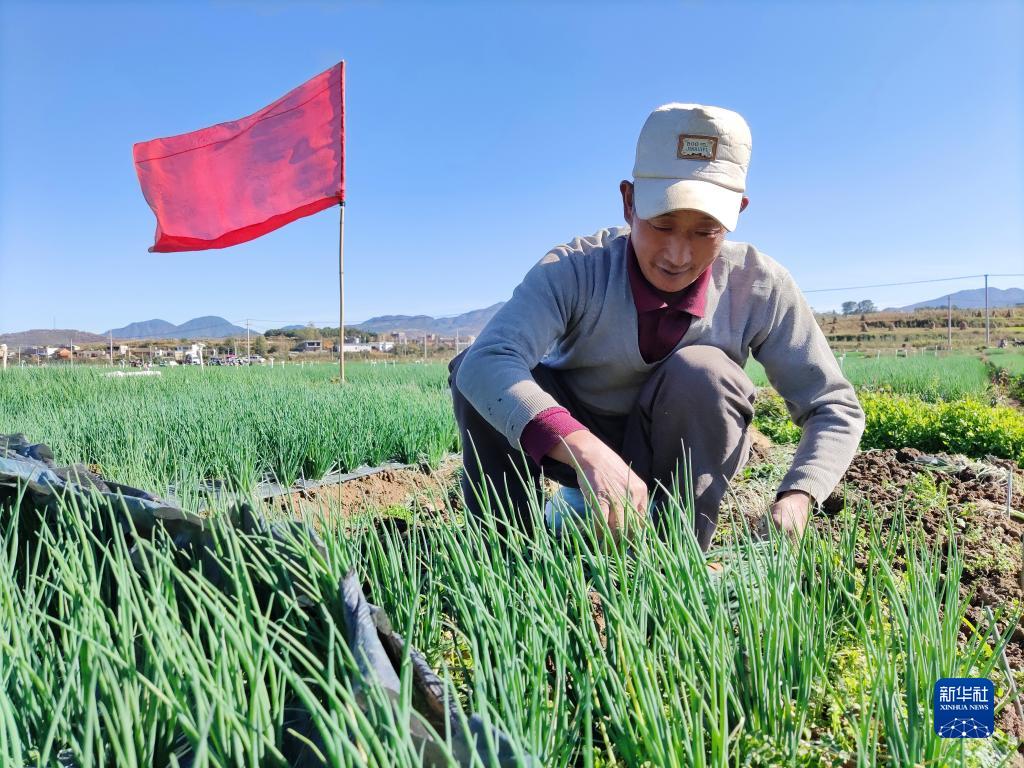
(546, 430)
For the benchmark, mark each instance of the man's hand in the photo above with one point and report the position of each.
(790, 513)
(604, 471)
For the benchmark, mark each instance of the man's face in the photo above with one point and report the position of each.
(675, 248)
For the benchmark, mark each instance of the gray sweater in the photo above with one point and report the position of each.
(574, 310)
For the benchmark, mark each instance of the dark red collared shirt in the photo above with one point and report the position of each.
(662, 319)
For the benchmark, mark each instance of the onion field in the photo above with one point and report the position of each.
(584, 653)
(946, 376)
(240, 425)
(582, 650)
(246, 425)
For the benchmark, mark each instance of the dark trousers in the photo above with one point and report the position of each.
(696, 405)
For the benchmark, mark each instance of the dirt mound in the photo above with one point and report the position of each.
(884, 476)
(391, 490)
(760, 446)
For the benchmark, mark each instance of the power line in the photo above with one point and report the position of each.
(914, 282)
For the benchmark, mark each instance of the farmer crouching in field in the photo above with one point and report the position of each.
(622, 353)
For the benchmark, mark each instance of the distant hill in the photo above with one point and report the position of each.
(973, 299)
(467, 323)
(147, 329)
(46, 337)
(208, 327)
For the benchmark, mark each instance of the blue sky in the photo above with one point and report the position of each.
(887, 145)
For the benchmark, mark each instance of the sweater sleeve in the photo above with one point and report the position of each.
(546, 430)
(801, 366)
(495, 374)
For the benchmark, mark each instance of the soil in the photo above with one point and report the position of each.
(382, 492)
(760, 447)
(991, 539)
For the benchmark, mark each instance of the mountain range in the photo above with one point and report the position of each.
(973, 299)
(471, 322)
(474, 321)
(208, 327)
(49, 337)
(467, 323)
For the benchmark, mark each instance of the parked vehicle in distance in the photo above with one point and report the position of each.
(169, 363)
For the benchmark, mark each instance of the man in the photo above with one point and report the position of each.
(620, 356)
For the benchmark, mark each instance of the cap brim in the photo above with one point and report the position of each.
(653, 197)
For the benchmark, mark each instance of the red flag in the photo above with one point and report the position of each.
(236, 181)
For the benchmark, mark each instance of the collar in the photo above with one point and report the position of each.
(692, 299)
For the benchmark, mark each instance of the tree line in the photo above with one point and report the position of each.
(859, 307)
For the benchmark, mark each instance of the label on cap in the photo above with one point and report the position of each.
(697, 147)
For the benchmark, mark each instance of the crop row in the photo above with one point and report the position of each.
(924, 375)
(583, 653)
(235, 424)
(967, 426)
(244, 425)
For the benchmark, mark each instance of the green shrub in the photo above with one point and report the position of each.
(966, 426)
(772, 418)
(1008, 368)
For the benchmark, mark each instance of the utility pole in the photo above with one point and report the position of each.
(424, 346)
(986, 310)
(111, 349)
(949, 322)
(71, 359)
(456, 342)
(248, 352)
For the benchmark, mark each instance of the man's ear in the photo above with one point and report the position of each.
(626, 190)
(744, 203)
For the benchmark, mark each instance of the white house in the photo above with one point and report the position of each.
(189, 352)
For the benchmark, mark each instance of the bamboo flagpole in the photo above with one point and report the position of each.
(341, 246)
(341, 294)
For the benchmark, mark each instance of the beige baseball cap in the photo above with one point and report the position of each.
(695, 157)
